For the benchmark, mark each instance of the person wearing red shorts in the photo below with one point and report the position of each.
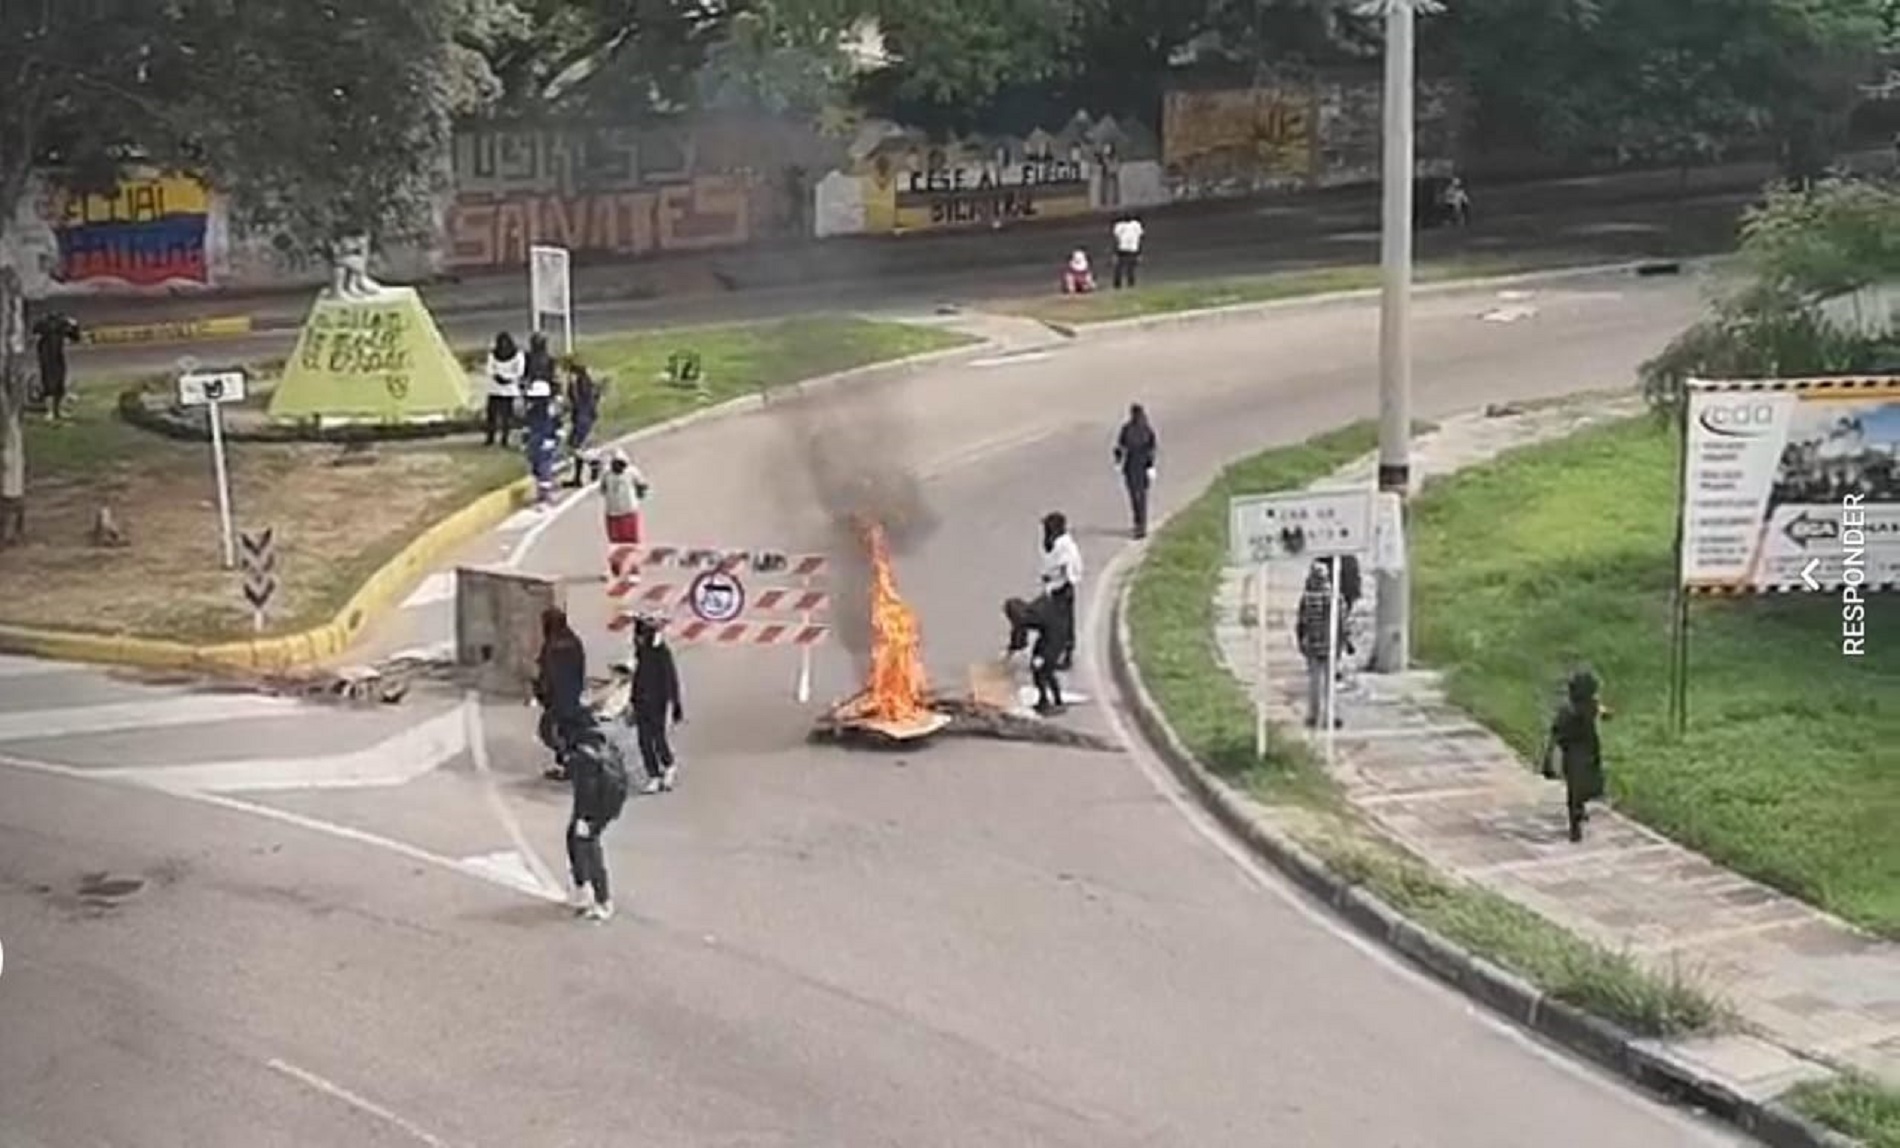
(622, 487)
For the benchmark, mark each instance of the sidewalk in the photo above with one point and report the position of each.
(1174, 228)
(1810, 987)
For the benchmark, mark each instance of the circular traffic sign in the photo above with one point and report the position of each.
(716, 596)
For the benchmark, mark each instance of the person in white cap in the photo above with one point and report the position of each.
(622, 489)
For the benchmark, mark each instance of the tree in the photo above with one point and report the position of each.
(1802, 250)
(319, 119)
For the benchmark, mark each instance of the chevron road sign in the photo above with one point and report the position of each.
(257, 553)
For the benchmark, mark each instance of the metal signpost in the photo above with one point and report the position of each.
(551, 291)
(1265, 528)
(260, 572)
(213, 389)
(720, 609)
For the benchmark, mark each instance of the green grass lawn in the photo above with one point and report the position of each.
(337, 524)
(1171, 633)
(1868, 1112)
(1560, 555)
(1201, 294)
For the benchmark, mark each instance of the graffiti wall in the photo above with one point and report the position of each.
(895, 180)
(1293, 135)
(147, 232)
(620, 191)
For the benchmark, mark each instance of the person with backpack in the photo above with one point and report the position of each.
(655, 699)
(1317, 632)
(600, 793)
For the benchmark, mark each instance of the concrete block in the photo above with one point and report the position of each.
(498, 624)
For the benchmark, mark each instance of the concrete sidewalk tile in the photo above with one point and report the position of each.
(1465, 802)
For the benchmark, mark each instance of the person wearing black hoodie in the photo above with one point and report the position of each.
(1047, 620)
(560, 688)
(655, 699)
(600, 793)
(1136, 449)
(1574, 742)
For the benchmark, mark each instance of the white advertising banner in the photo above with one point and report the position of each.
(1792, 485)
(550, 290)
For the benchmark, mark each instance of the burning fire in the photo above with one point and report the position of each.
(897, 691)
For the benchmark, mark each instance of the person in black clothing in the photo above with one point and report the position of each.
(1046, 620)
(655, 700)
(560, 688)
(1136, 449)
(50, 336)
(600, 793)
(1573, 741)
(538, 386)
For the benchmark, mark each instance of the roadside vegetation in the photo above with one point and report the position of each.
(338, 515)
(1171, 629)
(1854, 1106)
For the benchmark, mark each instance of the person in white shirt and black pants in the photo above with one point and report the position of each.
(1128, 233)
(1061, 574)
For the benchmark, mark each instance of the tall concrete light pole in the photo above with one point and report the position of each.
(1393, 626)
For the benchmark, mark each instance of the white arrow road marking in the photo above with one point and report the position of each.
(1807, 574)
(185, 709)
(509, 868)
(437, 587)
(394, 761)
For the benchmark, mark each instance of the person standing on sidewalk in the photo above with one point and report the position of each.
(1579, 752)
(1128, 232)
(505, 366)
(1061, 574)
(655, 700)
(50, 336)
(1136, 449)
(1317, 632)
(600, 793)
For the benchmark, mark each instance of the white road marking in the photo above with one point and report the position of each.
(179, 710)
(477, 739)
(12, 667)
(437, 587)
(396, 760)
(507, 867)
(543, 521)
(1100, 616)
(368, 1108)
(520, 520)
(1011, 360)
(1510, 314)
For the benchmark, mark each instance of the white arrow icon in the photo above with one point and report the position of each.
(1807, 574)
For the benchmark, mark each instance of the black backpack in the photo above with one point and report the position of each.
(609, 768)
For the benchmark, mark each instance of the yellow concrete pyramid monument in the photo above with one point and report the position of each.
(370, 353)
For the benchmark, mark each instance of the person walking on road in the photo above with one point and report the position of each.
(505, 367)
(50, 337)
(1061, 574)
(600, 793)
(1136, 450)
(1574, 743)
(583, 410)
(1317, 632)
(622, 489)
(560, 688)
(1128, 232)
(1044, 619)
(655, 702)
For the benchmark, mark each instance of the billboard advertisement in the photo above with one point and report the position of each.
(1791, 485)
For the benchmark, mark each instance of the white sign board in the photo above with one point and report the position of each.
(550, 289)
(204, 388)
(1789, 484)
(1300, 524)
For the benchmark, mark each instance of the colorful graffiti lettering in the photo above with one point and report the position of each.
(710, 211)
(148, 232)
(1238, 141)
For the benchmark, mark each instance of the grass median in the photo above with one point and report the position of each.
(1863, 1109)
(1105, 305)
(1171, 618)
(336, 523)
(1562, 554)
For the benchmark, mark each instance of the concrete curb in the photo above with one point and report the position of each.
(1643, 1062)
(385, 590)
(1242, 311)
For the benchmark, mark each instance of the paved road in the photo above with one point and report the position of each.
(922, 272)
(976, 944)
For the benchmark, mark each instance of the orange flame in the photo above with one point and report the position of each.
(897, 690)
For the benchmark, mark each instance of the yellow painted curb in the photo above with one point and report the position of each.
(177, 331)
(383, 591)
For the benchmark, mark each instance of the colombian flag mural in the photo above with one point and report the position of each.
(147, 233)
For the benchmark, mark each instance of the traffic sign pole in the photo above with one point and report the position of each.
(1262, 693)
(224, 485)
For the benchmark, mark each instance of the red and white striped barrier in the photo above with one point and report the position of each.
(749, 633)
(661, 594)
(624, 560)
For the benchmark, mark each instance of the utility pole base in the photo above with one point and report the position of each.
(1391, 643)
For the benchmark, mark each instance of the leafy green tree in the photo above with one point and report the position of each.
(320, 119)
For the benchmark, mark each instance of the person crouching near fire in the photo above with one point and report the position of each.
(1047, 621)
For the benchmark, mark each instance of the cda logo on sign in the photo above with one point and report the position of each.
(1738, 420)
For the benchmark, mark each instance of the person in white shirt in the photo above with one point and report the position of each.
(505, 366)
(1128, 233)
(1061, 574)
(622, 489)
